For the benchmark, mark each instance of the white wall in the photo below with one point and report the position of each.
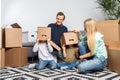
(33, 13)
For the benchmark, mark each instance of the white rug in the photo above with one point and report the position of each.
(23, 73)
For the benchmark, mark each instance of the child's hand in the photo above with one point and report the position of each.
(48, 40)
(37, 40)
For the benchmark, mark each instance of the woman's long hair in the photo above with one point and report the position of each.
(90, 27)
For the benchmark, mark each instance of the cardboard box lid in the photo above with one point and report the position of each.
(15, 25)
(55, 45)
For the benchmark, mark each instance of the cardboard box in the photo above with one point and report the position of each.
(12, 36)
(2, 58)
(16, 57)
(110, 29)
(0, 38)
(69, 38)
(55, 45)
(44, 33)
(114, 56)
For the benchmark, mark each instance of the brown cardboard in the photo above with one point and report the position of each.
(69, 38)
(2, 58)
(55, 45)
(13, 36)
(114, 56)
(0, 38)
(16, 57)
(110, 29)
(44, 33)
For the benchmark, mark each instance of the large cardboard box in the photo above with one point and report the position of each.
(16, 57)
(13, 36)
(114, 56)
(55, 46)
(0, 38)
(110, 29)
(69, 38)
(2, 58)
(44, 33)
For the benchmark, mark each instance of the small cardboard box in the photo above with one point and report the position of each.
(16, 57)
(13, 36)
(110, 29)
(114, 56)
(2, 58)
(44, 33)
(55, 45)
(69, 38)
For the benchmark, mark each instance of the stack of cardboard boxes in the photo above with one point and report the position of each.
(12, 52)
(111, 31)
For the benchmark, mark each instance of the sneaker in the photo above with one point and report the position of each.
(32, 65)
(64, 67)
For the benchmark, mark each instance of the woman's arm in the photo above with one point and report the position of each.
(87, 55)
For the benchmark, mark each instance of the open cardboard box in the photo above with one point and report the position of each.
(12, 37)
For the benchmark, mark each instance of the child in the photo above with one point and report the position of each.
(70, 54)
(44, 50)
(93, 48)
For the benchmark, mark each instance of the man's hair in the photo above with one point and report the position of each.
(61, 14)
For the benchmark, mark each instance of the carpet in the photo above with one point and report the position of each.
(23, 73)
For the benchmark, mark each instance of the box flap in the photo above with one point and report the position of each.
(15, 25)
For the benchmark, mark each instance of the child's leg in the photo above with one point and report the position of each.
(73, 64)
(52, 64)
(83, 47)
(42, 64)
(62, 64)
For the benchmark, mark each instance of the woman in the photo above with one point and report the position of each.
(93, 54)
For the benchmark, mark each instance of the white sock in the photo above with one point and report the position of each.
(32, 65)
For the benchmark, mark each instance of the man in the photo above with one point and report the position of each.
(57, 30)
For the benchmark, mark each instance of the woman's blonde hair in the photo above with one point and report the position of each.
(90, 27)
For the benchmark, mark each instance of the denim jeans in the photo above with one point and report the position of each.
(94, 64)
(69, 65)
(83, 47)
(43, 63)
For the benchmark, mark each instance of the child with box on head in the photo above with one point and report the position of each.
(44, 50)
(70, 54)
(92, 49)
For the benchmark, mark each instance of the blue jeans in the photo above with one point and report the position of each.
(69, 65)
(94, 64)
(83, 47)
(43, 63)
